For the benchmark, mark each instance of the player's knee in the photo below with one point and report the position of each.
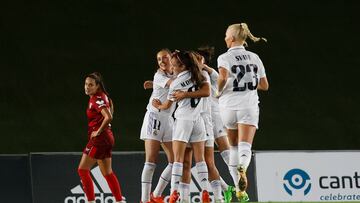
(83, 172)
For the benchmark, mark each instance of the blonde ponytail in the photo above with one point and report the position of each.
(241, 31)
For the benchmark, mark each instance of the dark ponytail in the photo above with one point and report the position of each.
(207, 52)
(99, 81)
(191, 63)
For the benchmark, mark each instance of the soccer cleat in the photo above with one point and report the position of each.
(243, 183)
(242, 196)
(174, 197)
(205, 197)
(123, 200)
(228, 194)
(159, 199)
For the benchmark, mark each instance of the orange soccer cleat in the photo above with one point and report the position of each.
(205, 197)
(174, 197)
(158, 199)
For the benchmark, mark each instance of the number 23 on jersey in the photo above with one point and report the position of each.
(245, 77)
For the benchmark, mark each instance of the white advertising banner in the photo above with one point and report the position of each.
(308, 176)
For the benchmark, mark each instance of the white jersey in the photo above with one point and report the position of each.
(206, 100)
(188, 108)
(245, 70)
(213, 80)
(160, 90)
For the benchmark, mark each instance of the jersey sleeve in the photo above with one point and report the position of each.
(261, 67)
(160, 80)
(171, 91)
(206, 75)
(222, 62)
(99, 103)
(214, 76)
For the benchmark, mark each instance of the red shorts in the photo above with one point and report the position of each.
(101, 146)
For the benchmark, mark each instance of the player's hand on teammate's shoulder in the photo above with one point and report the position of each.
(156, 103)
(179, 95)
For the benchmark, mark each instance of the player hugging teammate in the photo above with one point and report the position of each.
(192, 107)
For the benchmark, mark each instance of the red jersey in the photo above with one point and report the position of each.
(96, 103)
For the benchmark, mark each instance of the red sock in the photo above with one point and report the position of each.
(114, 186)
(87, 183)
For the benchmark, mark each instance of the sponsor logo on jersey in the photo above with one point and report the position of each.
(100, 103)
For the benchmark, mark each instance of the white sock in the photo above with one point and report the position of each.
(226, 156)
(176, 175)
(146, 179)
(216, 188)
(233, 163)
(164, 180)
(224, 185)
(184, 192)
(203, 175)
(244, 154)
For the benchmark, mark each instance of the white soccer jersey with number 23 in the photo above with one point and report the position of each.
(245, 70)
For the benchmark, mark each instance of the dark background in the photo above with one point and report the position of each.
(47, 47)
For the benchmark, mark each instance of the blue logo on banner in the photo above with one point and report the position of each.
(297, 179)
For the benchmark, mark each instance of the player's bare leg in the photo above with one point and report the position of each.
(186, 177)
(165, 177)
(223, 145)
(179, 148)
(214, 177)
(152, 148)
(234, 156)
(246, 136)
(203, 175)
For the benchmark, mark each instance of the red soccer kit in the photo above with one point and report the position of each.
(99, 147)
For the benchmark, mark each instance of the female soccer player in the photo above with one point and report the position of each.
(189, 126)
(241, 74)
(209, 144)
(219, 130)
(101, 139)
(157, 130)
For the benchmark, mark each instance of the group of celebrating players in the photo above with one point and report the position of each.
(192, 106)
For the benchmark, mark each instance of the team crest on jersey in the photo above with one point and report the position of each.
(155, 132)
(100, 103)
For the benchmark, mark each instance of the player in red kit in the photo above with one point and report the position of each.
(101, 140)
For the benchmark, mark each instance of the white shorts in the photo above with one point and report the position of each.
(218, 126)
(157, 126)
(208, 129)
(245, 116)
(189, 131)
